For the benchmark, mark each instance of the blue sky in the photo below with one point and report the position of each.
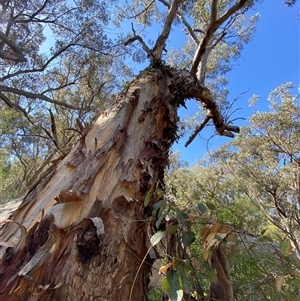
(271, 59)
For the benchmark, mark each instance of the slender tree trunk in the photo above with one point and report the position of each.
(82, 232)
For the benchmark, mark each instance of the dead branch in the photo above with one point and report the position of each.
(194, 89)
(212, 109)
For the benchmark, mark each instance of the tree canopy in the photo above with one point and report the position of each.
(60, 63)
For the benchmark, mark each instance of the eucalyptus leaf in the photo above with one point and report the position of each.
(188, 238)
(210, 206)
(147, 198)
(156, 238)
(201, 207)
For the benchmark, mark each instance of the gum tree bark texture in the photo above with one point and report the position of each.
(82, 231)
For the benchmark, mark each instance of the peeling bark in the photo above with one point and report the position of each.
(62, 257)
(82, 231)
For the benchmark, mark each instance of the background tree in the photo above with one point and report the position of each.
(266, 156)
(51, 84)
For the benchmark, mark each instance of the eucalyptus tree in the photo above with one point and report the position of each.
(263, 162)
(266, 156)
(82, 231)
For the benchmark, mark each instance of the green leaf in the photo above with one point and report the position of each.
(201, 207)
(212, 276)
(218, 237)
(165, 286)
(181, 216)
(183, 279)
(147, 198)
(188, 238)
(210, 206)
(262, 233)
(175, 293)
(156, 238)
(158, 205)
(160, 219)
(172, 229)
(284, 247)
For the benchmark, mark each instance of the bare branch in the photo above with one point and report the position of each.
(214, 11)
(18, 55)
(210, 31)
(36, 96)
(161, 41)
(138, 14)
(198, 130)
(184, 21)
(197, 91)
(203, 63)
(145, 47)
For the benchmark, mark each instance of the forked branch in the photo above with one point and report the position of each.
(184, 22)
(145, 47)
(34, 96)
(156, 53)
(214, 25)
(194, 89)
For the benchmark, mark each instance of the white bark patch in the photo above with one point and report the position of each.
(66, 214)
(98, 223)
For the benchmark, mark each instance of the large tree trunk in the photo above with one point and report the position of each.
(82, 232)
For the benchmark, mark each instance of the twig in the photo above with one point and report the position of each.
(138, 38)
(198, 130)
(138, 14)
